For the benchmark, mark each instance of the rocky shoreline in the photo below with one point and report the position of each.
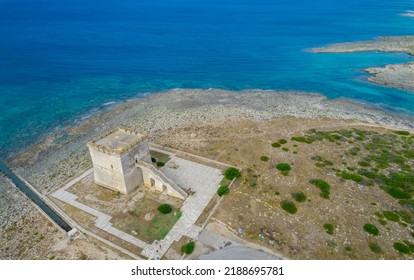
(396, 75)
(403, 44)
(393, 75)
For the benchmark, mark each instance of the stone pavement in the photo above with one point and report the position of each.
(201, 179)
(204, 180)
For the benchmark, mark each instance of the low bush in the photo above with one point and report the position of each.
(188, 248)
(289, 206)
(299, 196)
(283, 167)
(349, 176)
(371, 229)
(323, 186)
(402, 132)
(232, 173)
(399, 193)
(282, 141)
(364, 163)
(329, 228)
(264, 158)
(391, 216)
(375, 247)
(165, 208)
(402, 248)
(160, 163)
(223, 190)
(276, 145)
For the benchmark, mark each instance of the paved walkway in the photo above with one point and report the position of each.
(201, 179)
(102, 220)
(204, 180)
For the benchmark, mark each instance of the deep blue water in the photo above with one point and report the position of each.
(61, 58)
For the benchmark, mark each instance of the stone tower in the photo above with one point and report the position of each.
(114, 157)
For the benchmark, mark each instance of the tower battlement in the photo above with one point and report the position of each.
(117, 141)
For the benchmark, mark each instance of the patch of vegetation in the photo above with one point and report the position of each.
(223, 190)
(302, 139)
(405, 216)
(402, 132)
(232, 173)
(402, 248)
(160, 163)
(398, 193)
(277, 193)
(382, 222)
(282, 141)
(165, 208)
(159, 157)
(391, 216)
(323, 186)
(285, 149)
(116, 194)
(288, 206)
(276, 145)
(371, 229)
(329, 228)
(264, 158)
(364, 163)
(375, 247)
(350, 176)
(188, 248)
(299, 196)
(283, 167)
(321, 162)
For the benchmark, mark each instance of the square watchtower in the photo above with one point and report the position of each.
(114, 156)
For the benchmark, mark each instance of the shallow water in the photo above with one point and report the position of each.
(60, 59)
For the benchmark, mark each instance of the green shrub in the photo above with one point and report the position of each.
(299, 196)
(323, 186)
(401, 132)
(285, 149)
(371, 229)
(405, 217)
(375, 247)
(399, 193)
(223, 190)
(160, 163)
(232, 173)
(283, 167)
(165, 208)
(282, 141)
(402, 248)
(116, 194)
(364, 163)
(188, 248)
(264, 158)
(389, 215)
(329, 228)
(153, 159)
(349, 176)
(277, 193)
(276, 145)
(288, 206)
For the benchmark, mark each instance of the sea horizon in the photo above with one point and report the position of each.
(64, 61)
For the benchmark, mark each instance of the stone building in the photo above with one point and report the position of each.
(122, 162)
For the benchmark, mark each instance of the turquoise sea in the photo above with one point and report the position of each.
(62, 59)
